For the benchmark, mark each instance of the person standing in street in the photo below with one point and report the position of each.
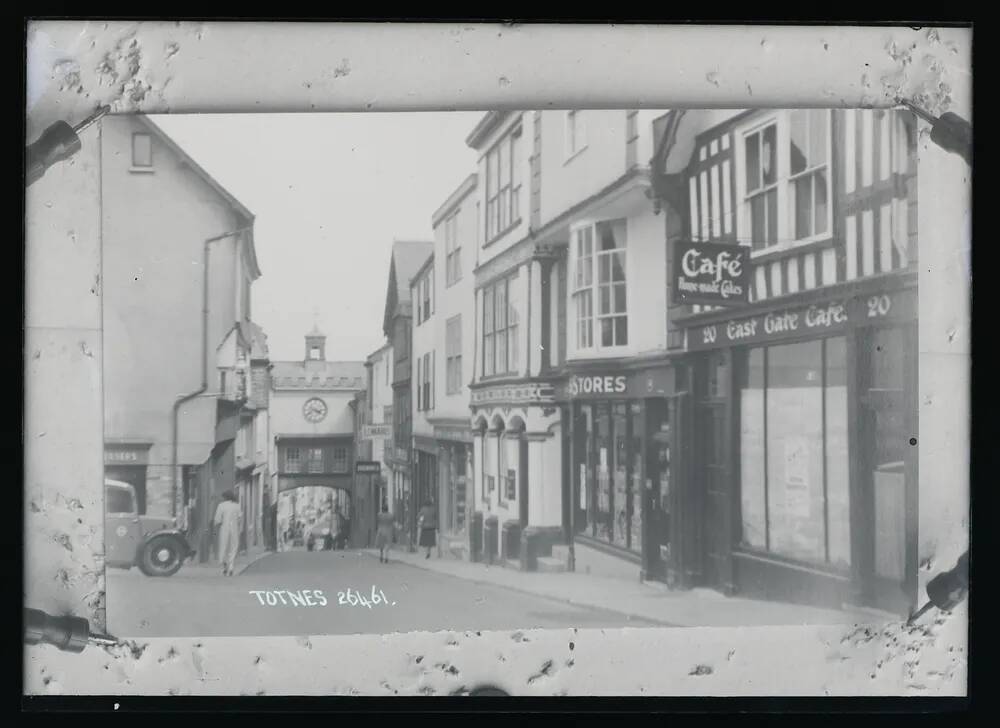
(385, 526)
(427, 526)
(228, 517)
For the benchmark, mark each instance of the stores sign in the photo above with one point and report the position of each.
(596, 384)
(711, 273)
(376, 432)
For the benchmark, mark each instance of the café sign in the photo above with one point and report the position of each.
(828, 317)
(711, 273)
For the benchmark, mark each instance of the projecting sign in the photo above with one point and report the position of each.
(711, 273)
(378, 431)
(368, 467)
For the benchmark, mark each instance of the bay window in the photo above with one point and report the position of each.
(785, 180)
(599, 285)
(503, 184)
(793, 451)
(500, 327)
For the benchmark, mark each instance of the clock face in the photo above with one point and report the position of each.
(314, 410)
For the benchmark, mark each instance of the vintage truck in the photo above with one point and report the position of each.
(156, 545)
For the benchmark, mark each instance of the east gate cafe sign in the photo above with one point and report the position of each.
(711, 273)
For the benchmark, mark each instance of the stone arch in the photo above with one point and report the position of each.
(516, 424)
(497, 423)
(481, 424)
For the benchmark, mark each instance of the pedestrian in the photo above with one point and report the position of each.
(228, 518)
(427, 525)
(384, 533)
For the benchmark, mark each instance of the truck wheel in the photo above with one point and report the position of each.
(161, 556)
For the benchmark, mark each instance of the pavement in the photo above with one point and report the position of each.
(330, 592)
(649, 600)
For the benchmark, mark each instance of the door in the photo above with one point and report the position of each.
(522, 482)
(712, 472)
(887, 465)
(123, 532)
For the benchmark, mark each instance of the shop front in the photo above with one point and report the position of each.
(454, 474)
(803, 477)
(622, 432)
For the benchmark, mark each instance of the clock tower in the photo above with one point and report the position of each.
(315, 345)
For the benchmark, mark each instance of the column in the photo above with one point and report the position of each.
(536, 325)
(536, 478)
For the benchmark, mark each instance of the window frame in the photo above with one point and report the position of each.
(336, 459)
(574, 134)
(494, 332)
(452, 250)
(784, 180)
(312, 460)
(288, 460)
(593, 287)
(135, 164)
(501, 218)
(453, 354)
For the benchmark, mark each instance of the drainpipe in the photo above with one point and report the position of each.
(175, 414)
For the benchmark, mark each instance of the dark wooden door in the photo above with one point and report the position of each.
(887, 467)
(522, 479)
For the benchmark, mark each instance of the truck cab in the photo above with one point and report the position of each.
(153, 544)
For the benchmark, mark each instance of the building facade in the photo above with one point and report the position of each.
(407, 258)
(799, 420)
(178, 263)
(451, 339)
(379, 404)
(311, 424)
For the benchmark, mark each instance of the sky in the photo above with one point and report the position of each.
(329, 192)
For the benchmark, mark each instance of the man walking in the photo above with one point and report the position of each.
(228, 518)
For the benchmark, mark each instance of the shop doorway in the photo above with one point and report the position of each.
(711, 474)
(887, 466)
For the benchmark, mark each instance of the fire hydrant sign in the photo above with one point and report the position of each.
(711, 273)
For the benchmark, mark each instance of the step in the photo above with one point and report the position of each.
(551, 564)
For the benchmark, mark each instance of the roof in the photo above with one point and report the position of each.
(407, 258)
(379, 352)
(490, 121)
(258, 342)
(346, 376)
(422, 269)
(316, 332)
(460, 193)
(212, 182)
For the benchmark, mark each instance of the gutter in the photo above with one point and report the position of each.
(175, 413)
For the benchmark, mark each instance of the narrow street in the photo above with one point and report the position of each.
(193, 602)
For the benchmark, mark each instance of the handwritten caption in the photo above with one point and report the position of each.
(316, 598)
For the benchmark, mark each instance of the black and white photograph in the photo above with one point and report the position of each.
(642, 377)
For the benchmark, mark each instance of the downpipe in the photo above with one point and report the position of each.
(180, 401)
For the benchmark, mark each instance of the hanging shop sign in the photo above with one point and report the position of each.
(711, 273)
(376, 432)
(368, 467)
(820, 319)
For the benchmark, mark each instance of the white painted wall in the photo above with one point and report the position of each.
(286, 413)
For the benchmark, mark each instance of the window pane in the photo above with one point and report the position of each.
(603, 466)
(621, 330)
(772, 216)
(513, 349)
(795, 451)
(607, 332)
(802, 204)
(619, 300)
(819, 123)
(769, 155)
(491, 163)
(752, 450)
(603, 269)
(501, 307)
(501, 352)
(837, 475)
(618, 266)
(604, 300)
(758, 221)
(488, 351)
(753, 161)
(799, 138)
(505, 162)
(515, 160)
(820, 192)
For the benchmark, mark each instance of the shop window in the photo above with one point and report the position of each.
(602, 518)
(793, 451)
